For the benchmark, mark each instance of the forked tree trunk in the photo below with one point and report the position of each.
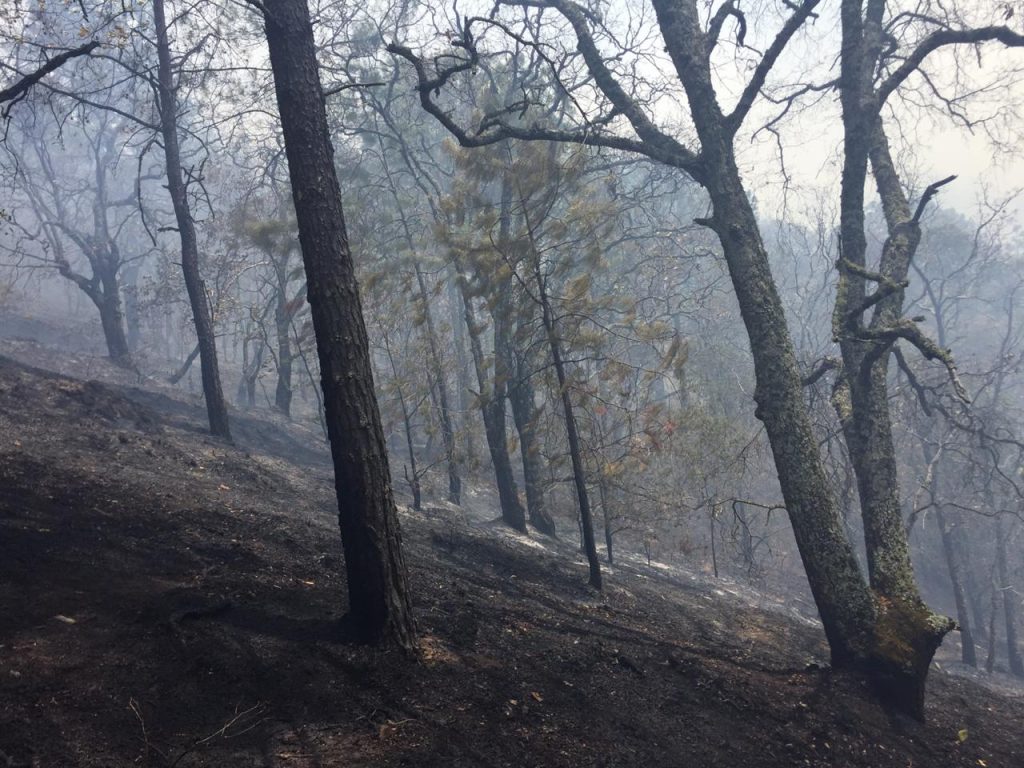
(216, 408)
(524, 414)
(492, 408)
(845, 604)
(379, 607)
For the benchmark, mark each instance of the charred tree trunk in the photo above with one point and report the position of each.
(216, 408)
(993, 626)
(379, 607)
(179, 374)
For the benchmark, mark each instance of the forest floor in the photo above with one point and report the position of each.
(169, 600)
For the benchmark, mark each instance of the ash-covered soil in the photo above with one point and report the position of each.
(169, 600)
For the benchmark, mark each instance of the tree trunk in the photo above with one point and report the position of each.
(462, 372)
(283, 392)
(990, 659)
(379, 607)
(443, 400)
(216, 408)
(1009, 606)
(575, 447)
(112, 320)
(492, 408)
(132, 311)
(179, 374)
(953, 562)
(608, 535)
(848, 611)
(909, 632)
(520, 397)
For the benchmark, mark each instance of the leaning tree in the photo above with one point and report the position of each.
(379, 607)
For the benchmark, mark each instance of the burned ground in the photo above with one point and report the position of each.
(168, 600)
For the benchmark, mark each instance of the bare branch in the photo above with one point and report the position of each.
(735, 119)
(909, 331)
(941, 39)
(20, 88)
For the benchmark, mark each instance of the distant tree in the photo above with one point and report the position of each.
(216, 408)
(79, 212)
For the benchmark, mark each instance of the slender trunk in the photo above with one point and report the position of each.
(946, 523)
(575, 448)
(179, 374)
(441, 384)
(132, 312)
(990, 659)
(1009, 606)
(462, 373)
(216, 408)
(414, 479)
(380, 611)
(711, 526)
(603, 491)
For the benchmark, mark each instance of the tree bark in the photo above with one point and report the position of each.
(216, 408)
(379, 607)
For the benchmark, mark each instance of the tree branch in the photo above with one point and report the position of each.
(909, 331)
(941, 39)
(20, 88)
(735, 119)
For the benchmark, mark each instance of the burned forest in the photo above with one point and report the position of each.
(526, 383)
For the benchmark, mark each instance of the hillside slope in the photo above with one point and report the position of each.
(166, 600)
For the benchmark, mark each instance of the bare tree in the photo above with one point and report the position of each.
(216, 408)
